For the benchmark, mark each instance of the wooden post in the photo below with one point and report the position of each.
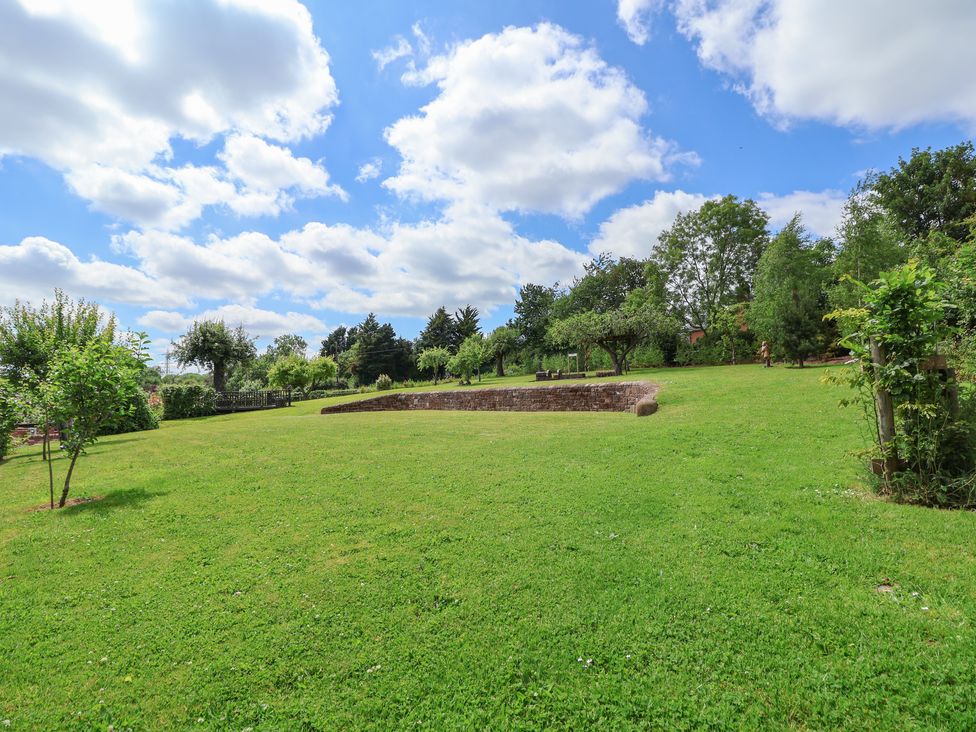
(886, 417)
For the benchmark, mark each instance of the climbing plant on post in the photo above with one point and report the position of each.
(924, 440)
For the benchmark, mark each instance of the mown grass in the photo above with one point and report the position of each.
(715, 565)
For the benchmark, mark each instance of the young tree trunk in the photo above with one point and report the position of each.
(499, 364)
(67, 478)
(50, 481)
(886, 418)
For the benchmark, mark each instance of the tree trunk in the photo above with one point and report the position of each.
(886, 417)
(219, 376)
(67, 478)
(50, 481)
(617, 365)
(499, 364)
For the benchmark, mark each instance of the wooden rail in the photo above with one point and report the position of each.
(244, 401)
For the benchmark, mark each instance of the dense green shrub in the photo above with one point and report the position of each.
(9, 415)
(646, 356)
(187, 400)
(140, 416)
(383, 383)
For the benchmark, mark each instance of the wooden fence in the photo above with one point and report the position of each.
(243, 401)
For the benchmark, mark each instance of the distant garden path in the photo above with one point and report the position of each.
(621, 396)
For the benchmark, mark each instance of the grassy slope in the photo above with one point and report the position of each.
(291, 570)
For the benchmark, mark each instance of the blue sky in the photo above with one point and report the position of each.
(292, 167)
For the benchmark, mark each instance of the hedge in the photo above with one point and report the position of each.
(188, 400)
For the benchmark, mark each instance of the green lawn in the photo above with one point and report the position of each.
(713, 565)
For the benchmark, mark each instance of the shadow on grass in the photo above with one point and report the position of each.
(126, 498)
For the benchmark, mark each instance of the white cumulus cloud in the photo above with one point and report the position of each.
(99, 91)
(32, 269)
(635, 18)
(633, 231)
(874, 63)
(257, 321)
(821, 210)
(528, 119)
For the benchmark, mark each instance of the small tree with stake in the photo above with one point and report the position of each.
(89, 386)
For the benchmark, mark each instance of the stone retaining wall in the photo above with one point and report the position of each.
(622, 396)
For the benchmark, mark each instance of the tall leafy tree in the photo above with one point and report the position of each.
(336, 342)
(870, 242)
(210, 344)
(380, 351)
(533, 316)
(289, 344)
(465, 324)
(709, 257)
(931, 191)
(789, 305)
(440, 332)
(502, 342)
(605, 285)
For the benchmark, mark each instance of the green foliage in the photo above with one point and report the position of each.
(903, 313)
(440, 332)
(210, 344)
(290, 372)
(502, 342)
(89, 387)
(605, 285)
(137, 416)
(383, 383)
(789, 302)
(378, 350)
(10, 414)
(337, 342)
(181, 401)
(465, 324)
(931, 191)
(870, 243)
(617, 332)
(323, 369)
(30, 337)
(533, 315)
(289, 344)
(709, 257)
(433, 360)
(468, 359)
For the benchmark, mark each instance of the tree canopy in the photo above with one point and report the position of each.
(931, 191)
(210, 344)
(617, 332)
(790, 301)
(709, 257)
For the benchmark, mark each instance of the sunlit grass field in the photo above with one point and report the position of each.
(715, 565)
